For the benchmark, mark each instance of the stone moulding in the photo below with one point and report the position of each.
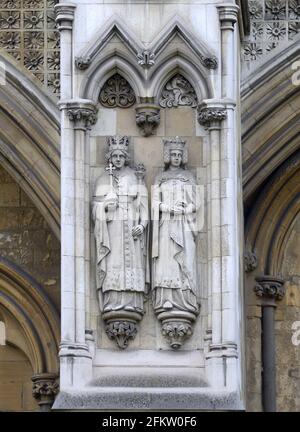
(145, 56)
(147, 118)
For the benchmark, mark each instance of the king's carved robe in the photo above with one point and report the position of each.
(121, 268)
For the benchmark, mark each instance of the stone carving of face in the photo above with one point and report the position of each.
(118, 159)
(176, 158)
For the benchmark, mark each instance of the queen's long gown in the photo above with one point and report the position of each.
(174, 249)
(121, 274)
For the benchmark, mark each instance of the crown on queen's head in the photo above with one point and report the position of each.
(174, 143)
(118, 142)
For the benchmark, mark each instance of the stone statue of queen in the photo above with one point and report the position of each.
(174, 264)
(120, 213)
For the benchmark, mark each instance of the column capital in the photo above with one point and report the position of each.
(228, 15)
(64, 15)
(211, 113)
(269, 287)
(44, 389)
(82, 112)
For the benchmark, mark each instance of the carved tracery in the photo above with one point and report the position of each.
(178, 91)
(117, 92)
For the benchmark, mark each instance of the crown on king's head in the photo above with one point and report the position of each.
(175, 143)
(118, 142)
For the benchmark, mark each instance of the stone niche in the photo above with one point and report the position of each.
(149, 88)
(178, 121)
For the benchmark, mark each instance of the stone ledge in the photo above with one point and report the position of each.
(120, 398)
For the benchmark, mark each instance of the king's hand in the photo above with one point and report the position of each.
(137, 230)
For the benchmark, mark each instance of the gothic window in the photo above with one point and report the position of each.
(28, 33)
(117, 92)
(178, 91)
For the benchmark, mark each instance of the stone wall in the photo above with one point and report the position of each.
(26, 240)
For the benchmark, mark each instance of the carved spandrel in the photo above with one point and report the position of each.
(117, 92)
(178, 92)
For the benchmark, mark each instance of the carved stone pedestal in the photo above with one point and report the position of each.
(176, 327)
(121, 326)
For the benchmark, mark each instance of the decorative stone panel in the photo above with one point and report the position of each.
(28, 33)
(273, 22)
(178, 92)
(117, 92)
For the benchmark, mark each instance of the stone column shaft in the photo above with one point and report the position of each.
(80, 234)
(64, 20)
(270, 289)
(230, 180)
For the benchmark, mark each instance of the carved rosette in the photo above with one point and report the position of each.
(207, 115)
(178, 91)
(117, 93)
(45, 388)
(147, 118)
(250, 260)
(270, 287)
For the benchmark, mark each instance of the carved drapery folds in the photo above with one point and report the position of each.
(147, 118)
(120, 213)
(44, 389)
(117, 92)
(178, 92)
(174, 272)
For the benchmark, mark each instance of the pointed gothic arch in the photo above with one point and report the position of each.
(38, 319)
(29, 139)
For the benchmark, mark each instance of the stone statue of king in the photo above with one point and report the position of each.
(120, 213)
